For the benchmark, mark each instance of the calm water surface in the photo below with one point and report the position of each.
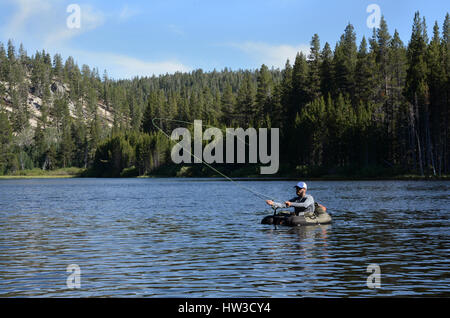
(202, 238)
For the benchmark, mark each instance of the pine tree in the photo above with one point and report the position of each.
(23, 57)
(326, 71)
(228, 104)
(143, 154)
(445, 43)
(57, 66)
(94, 137)
(437, 109)
(39, 147)
(66, 147)
(263, 94)
(5, 142)
(20, 114)
(382, 53)
(396, 114)
(276, 116)
(147, 125)
(314, 62)
(245, 105)
(345, 62)
(416, 89)
(286, 92)
(11, 52)
(4, 64)
(364, 79)
(300, 74)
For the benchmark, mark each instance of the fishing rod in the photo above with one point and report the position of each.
(256, 193)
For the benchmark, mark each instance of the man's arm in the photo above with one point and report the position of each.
(275, 204)
(309, 200)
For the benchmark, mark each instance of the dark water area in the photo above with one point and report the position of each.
(203, 238)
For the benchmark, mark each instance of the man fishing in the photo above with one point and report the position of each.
(302, 202)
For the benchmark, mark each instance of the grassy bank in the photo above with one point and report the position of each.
(242, 172)
(71, 172)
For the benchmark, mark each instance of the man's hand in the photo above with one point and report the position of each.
(269, 202)
(288, 204)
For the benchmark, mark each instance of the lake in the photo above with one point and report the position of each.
(203, 238)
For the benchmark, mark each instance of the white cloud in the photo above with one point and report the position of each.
(124, 66)
(128, 67)
(271, 55)
(26, 9)
(90, 20)
(45, 21)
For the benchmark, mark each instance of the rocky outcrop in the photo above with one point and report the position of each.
(59, 88)
(34, 103)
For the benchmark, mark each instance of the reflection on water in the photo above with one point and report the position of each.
(172, 238)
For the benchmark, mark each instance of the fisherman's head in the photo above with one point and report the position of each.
(300, 189)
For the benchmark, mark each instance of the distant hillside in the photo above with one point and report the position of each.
(58, 90)
(56, 114)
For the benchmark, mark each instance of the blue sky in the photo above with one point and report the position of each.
(129, 38)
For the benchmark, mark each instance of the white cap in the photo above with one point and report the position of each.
(301, 185)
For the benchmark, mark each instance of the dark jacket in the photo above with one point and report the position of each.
(305, 204)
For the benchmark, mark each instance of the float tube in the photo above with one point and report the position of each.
(288, 218)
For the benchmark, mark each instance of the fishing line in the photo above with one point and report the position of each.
(256, 193)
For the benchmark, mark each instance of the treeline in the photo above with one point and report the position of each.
(369, 106)
(381, 104)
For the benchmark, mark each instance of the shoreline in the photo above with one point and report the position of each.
(237, 175)
(241, 178)
(39, 177)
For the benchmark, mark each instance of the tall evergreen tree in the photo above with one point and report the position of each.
(326, 71)
(364, 79)
(228, 104)
(382, 53)
(300, 95)
(263, 94)
(416, 90)
(314, 62)
(5, 142)
(245, 105)
(345, 62)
